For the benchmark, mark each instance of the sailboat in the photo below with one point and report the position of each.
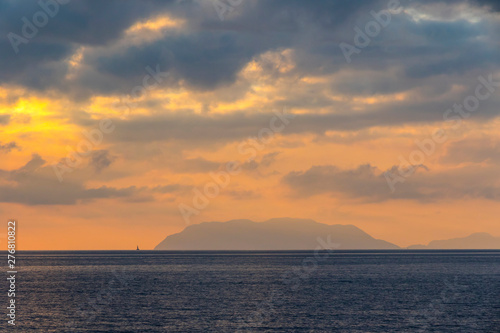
(137, 247)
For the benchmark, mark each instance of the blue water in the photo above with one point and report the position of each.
(341, 291)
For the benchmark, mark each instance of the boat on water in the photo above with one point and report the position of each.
(137, 247)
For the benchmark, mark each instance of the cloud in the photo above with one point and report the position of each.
(243, 194)
(368, 184)
(202, 129)
(42, 63)
(254, 167)
(101, 159)
(171, 188)
(492, 4)
(193, 165)
(269, 159)
(473, 150)
(4, 119)
(7, 147)
(36, 184)
(206, 53)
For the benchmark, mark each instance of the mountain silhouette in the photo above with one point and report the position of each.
(274, 234)
(477, 241)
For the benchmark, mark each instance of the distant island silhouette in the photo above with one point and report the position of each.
(274, 234)
(477, 241)
(297, 234)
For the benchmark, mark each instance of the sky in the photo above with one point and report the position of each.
(122, 122)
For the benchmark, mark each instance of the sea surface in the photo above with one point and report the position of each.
(339, 291)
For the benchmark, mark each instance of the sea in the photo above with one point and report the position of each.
(284, 291)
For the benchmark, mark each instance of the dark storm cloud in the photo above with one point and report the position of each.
(368, 184)
(424, 48)
(205, 60)
(89, 22)
(38, 64)
(210, 52)
(207, 53)
(492, 4)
